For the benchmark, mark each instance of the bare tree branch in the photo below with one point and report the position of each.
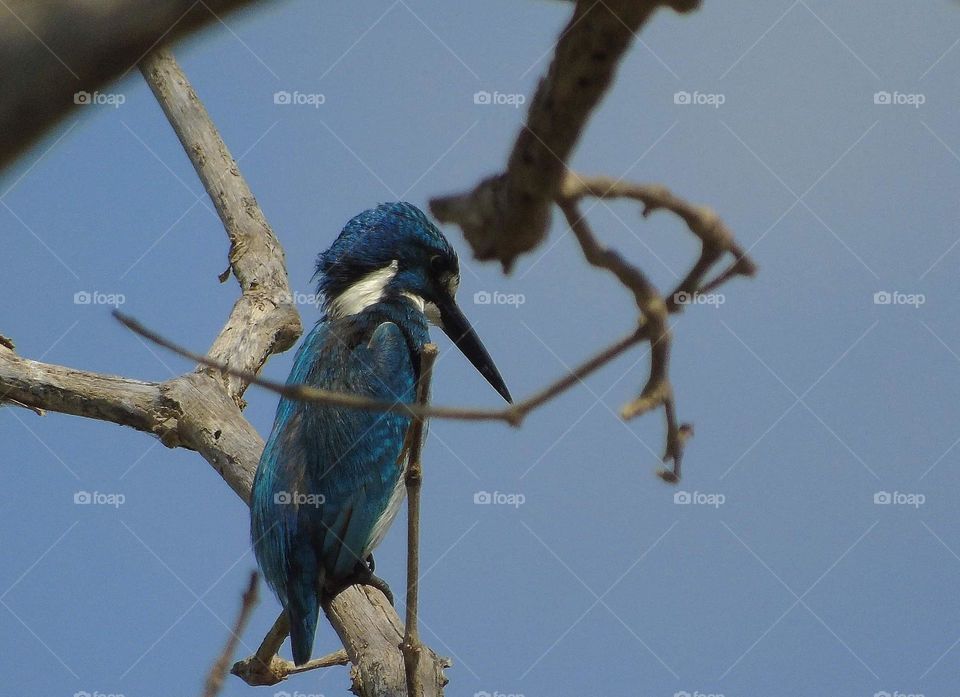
(378, 663)
(413, 476)
(218, 671)
(52, 51)
(263, 320)
(265, 667)
(716, 241)
(508, 214)
(716, 238)
(513, 415)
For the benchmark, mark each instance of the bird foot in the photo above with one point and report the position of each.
(363, 575)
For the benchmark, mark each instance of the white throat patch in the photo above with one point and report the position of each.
(417, 301)
(364, 293)
(427, 308)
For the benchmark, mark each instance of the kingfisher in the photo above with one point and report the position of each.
(331, 479)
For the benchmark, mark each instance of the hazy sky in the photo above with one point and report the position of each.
(826, 135)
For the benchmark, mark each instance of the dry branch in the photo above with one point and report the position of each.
(263, 320)
(50, 51)
(265, 667)
(716, 241)
(413, 476)
(218, 671)
(191, 411)
(513, 414)
(508, 214)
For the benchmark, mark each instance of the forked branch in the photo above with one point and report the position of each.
(716, 241)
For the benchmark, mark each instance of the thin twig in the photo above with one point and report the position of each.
(508, 214)
(218, 671)
(715, 237)
(716, 240)
(653, 311)
(513, 415)
(265, 667)
(411, 647)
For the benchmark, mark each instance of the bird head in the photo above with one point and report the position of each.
(394, 253)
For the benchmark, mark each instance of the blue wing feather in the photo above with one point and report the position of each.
(327, 474)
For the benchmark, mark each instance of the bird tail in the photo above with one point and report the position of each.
(303, 609)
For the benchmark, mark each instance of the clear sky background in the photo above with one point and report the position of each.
(808, 396)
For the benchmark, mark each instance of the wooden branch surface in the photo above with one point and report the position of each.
(52, 50)
(508, 214)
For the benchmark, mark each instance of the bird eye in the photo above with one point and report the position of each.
(436, 263)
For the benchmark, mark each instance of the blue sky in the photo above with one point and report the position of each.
(825, 384)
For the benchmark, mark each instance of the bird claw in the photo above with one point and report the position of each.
(363, 575)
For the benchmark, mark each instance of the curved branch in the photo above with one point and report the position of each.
(51, 51)
(715, 237)
(218, 671)
(513, 415)
(263, 320)
(715, 241)
(508, 214)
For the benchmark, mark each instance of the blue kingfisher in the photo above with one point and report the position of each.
(330, 480)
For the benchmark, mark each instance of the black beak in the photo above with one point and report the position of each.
(456, 326)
